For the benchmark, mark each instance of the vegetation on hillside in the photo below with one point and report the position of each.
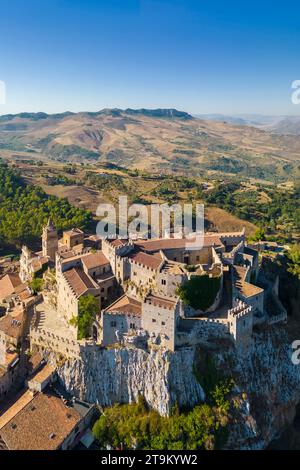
(135, 426)
(281, 210)
(24, 210)
(293, 256)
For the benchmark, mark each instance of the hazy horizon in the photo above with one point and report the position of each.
(202, 58)
(196, 114)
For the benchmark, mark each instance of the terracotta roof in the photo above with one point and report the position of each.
(24, 294)
(73, 231)
(12, 325)
(10, 357)
(79, 281)
(160, 301)
(37, 263)
(145, 259)
(95, 238)
(11, 409)
(247, 289)
(46, 372)
(34, 361)
(118, 242)
(125, 304)
(93, 260)
(43, 424)
(179, 243)
(8, 285)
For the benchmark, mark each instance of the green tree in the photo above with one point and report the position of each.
(294, 256)
(87, 310)
(200, 291)
(36, 285)
(259, 235)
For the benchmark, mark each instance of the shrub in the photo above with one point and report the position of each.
(200, 291)
(88, 306)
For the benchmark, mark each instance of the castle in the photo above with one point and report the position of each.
(136, 287)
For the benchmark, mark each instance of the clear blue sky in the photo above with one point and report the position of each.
(199, 56)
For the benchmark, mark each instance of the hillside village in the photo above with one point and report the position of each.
(139, 294)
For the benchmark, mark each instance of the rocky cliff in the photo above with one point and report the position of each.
(120, 375)
(264, 399)
(267, 389)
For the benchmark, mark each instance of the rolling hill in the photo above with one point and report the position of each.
(275, 124)
(162, 140)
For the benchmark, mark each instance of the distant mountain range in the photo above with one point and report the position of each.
(276, 124)
(160, 140)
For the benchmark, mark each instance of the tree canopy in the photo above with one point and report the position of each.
(25, 209)
(200, 291)
(88, 307)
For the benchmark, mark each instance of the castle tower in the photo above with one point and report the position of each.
(49, 241)
(240, 322)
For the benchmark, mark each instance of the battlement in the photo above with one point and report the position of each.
(240, 310)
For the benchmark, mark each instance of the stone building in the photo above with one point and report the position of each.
(136, 282)
(160, 318)
(240, 321)
(121, 317)
(11, 331)
(31, 263)
(44, 417)
(49, 241)
(72, 238)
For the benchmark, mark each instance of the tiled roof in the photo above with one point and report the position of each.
(37, 263)
(247, 289)
(73, 231)
(8, 284)
(34, 361)
(46, 372)
(160, 301)
(125, 304)
(11, 409)
(43, 424)
(150, 261)
(118, 242)
(79, 281)
(12, 325)
(179, 243)
(93, 260)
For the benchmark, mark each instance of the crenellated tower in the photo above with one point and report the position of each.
(49, 241)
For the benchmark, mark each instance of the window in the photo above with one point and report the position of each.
(113, 324)
(164, 282)
(153, 320)
(163, 323)
(197, 258)
(132, 326)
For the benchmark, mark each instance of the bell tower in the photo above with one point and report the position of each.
(49, 241)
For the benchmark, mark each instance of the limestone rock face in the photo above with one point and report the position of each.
(120, 375)
(270, 385)
(264, 399)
